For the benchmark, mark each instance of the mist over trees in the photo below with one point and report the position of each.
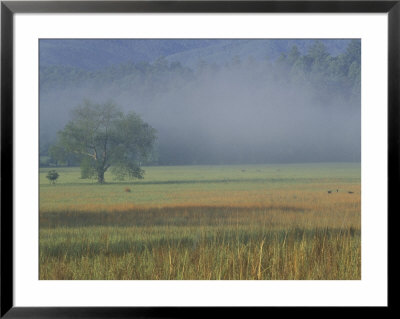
(297, 107)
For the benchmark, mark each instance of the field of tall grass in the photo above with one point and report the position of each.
(244, 222)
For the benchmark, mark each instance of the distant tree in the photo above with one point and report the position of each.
(60, 156)
(102, 136)
(320, 58)
(52, 176)
(293, 55)
(318, 52)
(353, 52)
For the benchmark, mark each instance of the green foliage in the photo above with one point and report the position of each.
(52, 176)
(44, 161)
(61, 156)
(330, 76)
(87, 168)
(127, 171)
(101, 136)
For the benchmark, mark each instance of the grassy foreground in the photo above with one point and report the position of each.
(204, 222)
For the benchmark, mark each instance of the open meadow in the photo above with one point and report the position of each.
(238, 222)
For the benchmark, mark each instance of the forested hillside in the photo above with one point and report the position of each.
(93, 54)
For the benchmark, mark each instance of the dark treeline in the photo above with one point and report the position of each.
(300, 107)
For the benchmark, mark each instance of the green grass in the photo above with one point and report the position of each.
(169, 185)
(204, 222)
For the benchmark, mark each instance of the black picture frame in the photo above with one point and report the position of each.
(9, 8)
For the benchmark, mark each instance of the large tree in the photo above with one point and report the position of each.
(102, 136)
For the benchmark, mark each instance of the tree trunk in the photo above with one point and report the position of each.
(100, 176)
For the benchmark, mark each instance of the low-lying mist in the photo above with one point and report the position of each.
(243, 112)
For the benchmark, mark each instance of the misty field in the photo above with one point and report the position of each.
(239, 222)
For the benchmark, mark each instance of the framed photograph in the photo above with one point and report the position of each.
(173, 158)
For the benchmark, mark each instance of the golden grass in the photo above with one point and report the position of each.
(306, 200)
(175, 253)
(201, 243)
(211, 231)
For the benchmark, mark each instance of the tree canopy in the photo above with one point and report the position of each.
(102, 136)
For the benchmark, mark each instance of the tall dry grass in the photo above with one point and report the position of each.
(201, 243)
(217, 222)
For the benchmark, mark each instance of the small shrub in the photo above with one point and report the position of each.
(52, 176)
